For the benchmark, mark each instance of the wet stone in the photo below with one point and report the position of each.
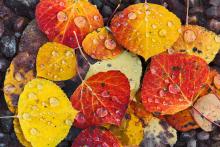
(187, 135)
(6, 124)
(203, 135)
(191, 143)
(8, 46)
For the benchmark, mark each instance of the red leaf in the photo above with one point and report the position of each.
(102, 99)
(173, 82)
(93, 137)
(58, 19)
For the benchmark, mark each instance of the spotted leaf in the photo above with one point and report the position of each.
(21, 71)
(45, 113)
(100, 44)
(198, 41)
(182, 121)
(96, 137)
(61, 18)
(206, 110)
(56, 62)
(173, 82)
(101, 99)
(137, 30)
(128, 63)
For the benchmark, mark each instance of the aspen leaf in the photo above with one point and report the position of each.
(45, 113)
(100, 44)
(136, 29)
(61, 18)
(56, 62)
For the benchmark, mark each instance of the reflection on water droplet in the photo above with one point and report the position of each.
(80, 118)
(153, 70)
(69, 54)
(162, 32)
(170, 23)
(26, 116)
(161, 93)
(9, 88)
(61, 4)
(150, 100)
(68, 122)
(96, 18)
(80, 21)
(116, 99)
(101, 112)
(217, 39)
(105, 94)
(165, 103)
(61, 16)
(34, 107)
(32, 95)
(154, 26)
(34, 131)
(39, 86)
(54, 53)
(148, 12)
(174, 88)
(157, 101)
(170, 51)
(104, 144)
(132, 15)
(189, 36)
(110, 44)
(63, 62)
(54, 101)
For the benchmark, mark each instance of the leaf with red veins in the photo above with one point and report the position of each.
(173, 82)
(59, 19)
(93, 137)
(101, 99)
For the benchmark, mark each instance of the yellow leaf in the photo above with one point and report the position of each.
(198, 41)
(146, 29)
(56, 62)
(21, 71)
(45, 113)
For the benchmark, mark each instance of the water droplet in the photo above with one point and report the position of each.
(69, 54)
(105, 94)
(44, 104)
(32, 95)
(148, 12)
(167, 81)
(61, 69)
(49, 123)
(34, 131)
(55, 76)
(170, 23)
(26, 116)
(54, 101)
(116, 99)
(153, 70)
(154, 26)
(95, 41)
(104, 144)
(96, 18)
(54, 53)
(62, 4)
(132, 15)
(61, 16)
(174, 88)
(217, 39)
(157, 101)
(165, 103)
(80, 117)
(39, 86)
(102, 37)
(150, 100)
(42, 66)
(110, 44)
(101, 112)
(63, 62)
(80, 21)
(153, 40)
(9, 88)
(189, 36)
(162, 33)
(68, 122)
(34, 107)
(170, 51)
(161, 93)
(19, 77)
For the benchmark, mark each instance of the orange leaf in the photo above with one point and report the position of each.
(101, 99)
(100, 44)
(61, 18)
(182, 121)
(93, 137)
(173, 82)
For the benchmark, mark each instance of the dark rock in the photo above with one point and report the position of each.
(187, 135)
(214, 2)
(106, 11)
(98, 3)
(191, 143)
(19, 24)
(3, 64)
(196, 10)
(8, 46)
(1, 28)
(177, 8)
(180, 144)
(64, 144)
(217, 144)
(213, 12)
(214, 25)
(203, 135)
(215, 135)
(6, 124)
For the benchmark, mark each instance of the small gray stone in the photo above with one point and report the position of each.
(203, 135)
(191, 143)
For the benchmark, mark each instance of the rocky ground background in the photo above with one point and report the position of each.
(16, 14)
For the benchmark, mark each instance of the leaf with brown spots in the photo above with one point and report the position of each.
(59, 19)
(21, 71)
(101, 99)
(182, 121)
(136, 29)
(196, 40)
(93, 137)
(56, 62)
(173, 82)
(100, 44)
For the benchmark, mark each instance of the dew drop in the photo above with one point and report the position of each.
(62, 4)
(162, 32)
(165, 103)
(80, 21)
(96, 18)
(61, 69)
(55, 76)
(161, 93)
(148, 12)
(105, 94)
(157, 101)
(174, 89)
(34, 107)
(68, 122)
(44, 104)
(9, 88)
(116, 99)
(104, 144)
(101, 112)
(95, 41)
(132, 15)
(34, 131)
(170, 23)
(153, 70)
(54, 101)
(102, 37)
(69, 54)
(39, 86)
(110, 44)
(63, 62)
(61, 16)
(80, 118)
(32, 95)
(150, 100)
(189, 36)
(153, 40)
(217, 39)
(19, 77)
(26, 116)
(170, 51)
(54, 53)
(154, 26)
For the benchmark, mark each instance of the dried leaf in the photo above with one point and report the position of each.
(130, 132)
(159, 132)
(45, 113)
(61, 18)
(173, 82)
(21, 71)
(128, 63)
(137, 30)
(207, 106)
(182, 121)
(96, 137)
(19, 133)
(196, 40)
(101, 99)
(56, 62)
(100, 44)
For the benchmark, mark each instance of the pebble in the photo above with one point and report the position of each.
(3, 64)
(191, 143)
(6, 124)
(19, 24)
(214, 2)
(2, 29)
(203, 135)
(213, 12)
(187, 135)
(214, 25)
(217, 144)
(8, 46)
(106, 11)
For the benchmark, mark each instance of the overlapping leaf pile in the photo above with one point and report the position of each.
(110, 105)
